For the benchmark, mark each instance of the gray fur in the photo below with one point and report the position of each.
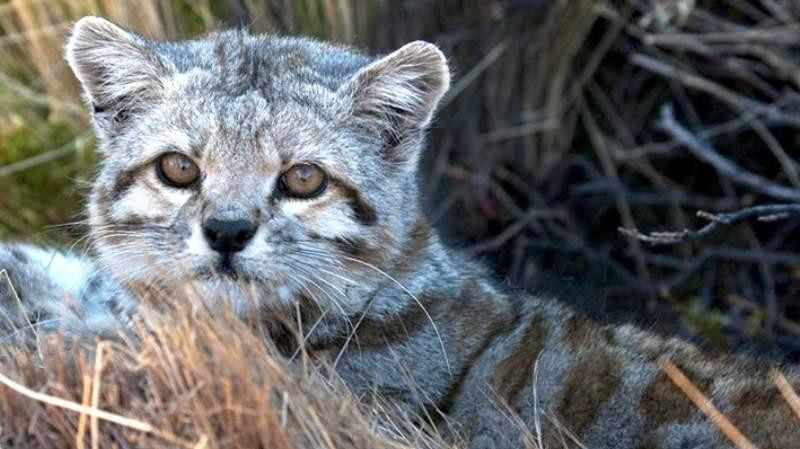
(246, 107)
(45, 290)
(395, 311)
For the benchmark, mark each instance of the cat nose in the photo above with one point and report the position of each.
(228, 236)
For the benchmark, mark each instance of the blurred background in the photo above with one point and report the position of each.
(567, 120)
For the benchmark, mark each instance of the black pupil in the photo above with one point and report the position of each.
(184, 164)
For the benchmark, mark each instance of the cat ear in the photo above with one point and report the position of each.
(398, 93)
(115, 67)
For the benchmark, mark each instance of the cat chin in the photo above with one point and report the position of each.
(237, 290)
(244, 297)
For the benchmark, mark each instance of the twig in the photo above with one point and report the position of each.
(610, 170)
(23, 310)
(705, 405)
(740, 255)
(643, 198)
(774, 36)
(693, 81)
(79, 436)
(732, 126)
(474, 73)
(35, 97)
(764, 213)
(724, 166)
(515, 228)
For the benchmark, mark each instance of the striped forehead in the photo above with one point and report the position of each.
(280, 134)
(240, 122)
(206, 103)
(241, 61)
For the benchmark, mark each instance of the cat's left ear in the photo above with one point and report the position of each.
(398, 94)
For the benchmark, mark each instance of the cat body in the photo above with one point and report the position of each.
(279, 175)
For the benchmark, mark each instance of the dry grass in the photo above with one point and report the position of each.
(703, 403)
(32, 33)
(549, 141)
(189, 379)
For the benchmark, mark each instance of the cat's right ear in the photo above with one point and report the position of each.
(117, 70)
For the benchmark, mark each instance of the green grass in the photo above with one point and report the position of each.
(37, 194)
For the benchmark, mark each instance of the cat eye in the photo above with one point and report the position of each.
(177, 170)
(304, 181)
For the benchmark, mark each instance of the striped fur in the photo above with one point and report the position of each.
(379, 296)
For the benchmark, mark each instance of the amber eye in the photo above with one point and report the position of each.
(177, 170)
(304, 181)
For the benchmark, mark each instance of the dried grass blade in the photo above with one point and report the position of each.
(788, 392)
(705, 405)
(129, 423)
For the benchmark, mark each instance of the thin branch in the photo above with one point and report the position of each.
(697, 82)
(765, 213)
(38, 98)
(512, 230)
(724, 166)
(464, 82)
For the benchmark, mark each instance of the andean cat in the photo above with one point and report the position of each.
(273, 172)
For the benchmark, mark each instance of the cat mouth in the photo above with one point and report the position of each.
(225, 267)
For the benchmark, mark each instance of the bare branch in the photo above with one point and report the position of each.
(765, 213)
(724, 166)
(697, 82)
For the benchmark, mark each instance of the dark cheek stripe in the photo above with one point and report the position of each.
(133, 219)
(362, 211)
(123, 183)
(351, 246)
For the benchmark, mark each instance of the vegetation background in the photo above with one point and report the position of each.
(567, 120)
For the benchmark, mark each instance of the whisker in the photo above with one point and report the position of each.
(332, 299)
(353, 333)
(30, 327)
(419, 303)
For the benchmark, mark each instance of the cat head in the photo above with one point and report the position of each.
(276, 165)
